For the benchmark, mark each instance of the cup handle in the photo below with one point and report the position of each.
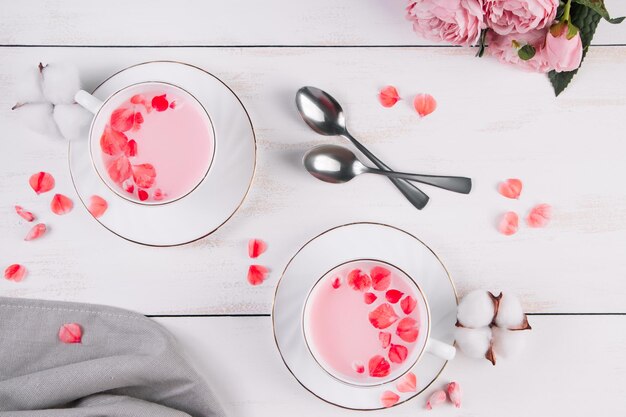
(440, 349)
(88, 101)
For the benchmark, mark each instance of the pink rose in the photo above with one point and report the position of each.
(506, 16)
(506, 48)
(455, 21)
(564, 54)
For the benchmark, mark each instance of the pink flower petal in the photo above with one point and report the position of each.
(160, 103)
(381, 278)
(358, 280)
(509, 223)
(41, 182)
(158, 195)
(358, 367)
(424, 104)
(389, 398)
(144, 175)
(336, 283)
(119, 170)
(112, 142)
(97, 206)
(436, 398)
(539, 215)
(24, 214)
(388, 96)
(256, 247)
(398, 353)
(407, 330)
(511, 188)
(143, 195)
(393, 296)
(61, 204)
(130, 149)
(36, 232)
(122, 119)
(408, 304)
(385, 339)
(383, 316)
(378, 367)
(15, 272)
(369, 297)
(454, 393)
(71, 333)
(257, 274)
(408, 383)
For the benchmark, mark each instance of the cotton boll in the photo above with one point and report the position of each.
(474, 343)
(60, 83)
(510, 313)
(509, 343)
(28, 86)
(72, 120)
(38, 117)
(476, 309)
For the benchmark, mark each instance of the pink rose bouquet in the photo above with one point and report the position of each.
(546, 36)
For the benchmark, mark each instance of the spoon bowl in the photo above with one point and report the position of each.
(321, 111)
(331, 163)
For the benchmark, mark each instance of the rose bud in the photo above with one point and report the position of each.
(564, 49)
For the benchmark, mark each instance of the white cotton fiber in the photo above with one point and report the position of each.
(72, 120)
(38, 117)
(509, 343)
(28, 86)
(474, 343)
(476, 309)
(510, 313)
(60, 83)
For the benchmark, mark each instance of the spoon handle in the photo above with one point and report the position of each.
(461, 185)
(416, 196)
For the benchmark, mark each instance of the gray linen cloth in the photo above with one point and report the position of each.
(126, 365)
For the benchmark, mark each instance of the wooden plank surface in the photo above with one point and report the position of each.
(492, 123)
(233, 22)
(573, 366)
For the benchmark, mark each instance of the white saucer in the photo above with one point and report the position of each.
(337, 246)
(214, 200)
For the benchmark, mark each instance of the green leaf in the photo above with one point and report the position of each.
(586, 20)
(526, 52)
(599, 7)
(481, 43)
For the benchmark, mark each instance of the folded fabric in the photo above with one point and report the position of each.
(125, 365)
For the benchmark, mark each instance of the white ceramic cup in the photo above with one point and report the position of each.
(102, 111)
(424, 343)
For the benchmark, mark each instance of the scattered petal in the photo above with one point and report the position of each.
(119, 170)
(436, 398)
(408, 383)
(36, 232)
(257, 274)
(122, 119)
(378, 367)
(71, 333)
(509, 223)
(15, 272)
(385, 339)
(173, 104)
(143, 195)
(408, 304)
(407, 330)
(160, 103)
(138, 118)
(383, 316)
(381, 278)
(393, 296)
(144, 175)
(41, 182)
(511, 188)
(158, 195)
(113, 142)
(389, 398)
(24, 214)
(138, 99)
(97, 206)
(369, 297)
(424, 104)
(128, 186)
(358, 367)
(130, 149)
(454, 393)
(539, 216)
(336, 282)
(61, 204)
(398, 353)
(388, 96)
(358, 280)
(256, 247)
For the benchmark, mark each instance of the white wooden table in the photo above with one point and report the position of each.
(493, 122)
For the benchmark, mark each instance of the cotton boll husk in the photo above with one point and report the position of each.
(476, 309)
(509, 343)
(28, 86)
(60, 83)
(474, 343)
(72, 120)
(38, 117)
(510, 313)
